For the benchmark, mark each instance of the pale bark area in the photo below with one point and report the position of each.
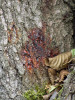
(28, 14)
(14, 78)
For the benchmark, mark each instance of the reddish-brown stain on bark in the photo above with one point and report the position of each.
(37, 49)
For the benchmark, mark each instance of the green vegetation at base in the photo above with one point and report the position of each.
(35, 94)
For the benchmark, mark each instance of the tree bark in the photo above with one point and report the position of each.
(18, 17)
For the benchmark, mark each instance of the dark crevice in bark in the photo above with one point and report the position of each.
(74, 26)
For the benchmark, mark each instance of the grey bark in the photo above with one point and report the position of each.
(28, 14)
(68, 92)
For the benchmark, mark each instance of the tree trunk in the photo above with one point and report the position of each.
(17, 18)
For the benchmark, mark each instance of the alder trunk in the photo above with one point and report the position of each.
(17, 18)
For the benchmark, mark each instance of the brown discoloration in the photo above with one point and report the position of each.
(11, 35)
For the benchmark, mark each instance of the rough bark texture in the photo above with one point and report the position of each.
(28, 14)
(69, 87)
